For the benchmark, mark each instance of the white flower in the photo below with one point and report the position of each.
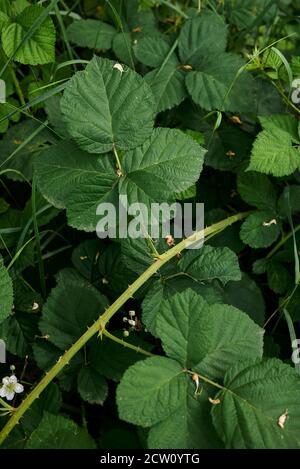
(10, 387)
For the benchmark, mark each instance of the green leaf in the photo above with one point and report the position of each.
(208, 263)
(200, 36)
(18, 332)
(115, 275)
(71, 307)
(49, 401)
(206, 338)
(259, 230)
(168, 162)
(122, 48)
(154, 172)
(70, 178)
(150, 391)
(290, 203)
(274, 150)
(254, 396)
(6, 292)
(164, 289)
(246, 296)
(105, 356)
(4, 206)
(39, 47)
(105, 107)
(167, 85)
(279, 277)
(22, 160)
(55, 432)
(152, 51)
(183, 429)
(257, 190)
(228, 148)
(92, 387)
(220, 84)
(93, 34)
(84, 258)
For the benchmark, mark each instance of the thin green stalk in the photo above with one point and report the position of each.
(285, 98)
(38, 239)
(175, 8)
(292, 333)
(282, 242)
(100, 324)
(64, 35)
(17, 85)
(120, 25)
(126, 344)
(117, 160)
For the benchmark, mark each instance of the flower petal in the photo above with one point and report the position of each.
(13, 379)
(19, 387)
(10, 395)
(5, 380)
(2, 392)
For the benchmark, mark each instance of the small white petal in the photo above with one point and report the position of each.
(13, 379)
(10, 395)
(2, 392)
(19, 388)
(119, 67)
(5, 381)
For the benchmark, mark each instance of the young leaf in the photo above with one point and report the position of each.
(105, 107)
(39, 47)
(254, 396)
(276, 148)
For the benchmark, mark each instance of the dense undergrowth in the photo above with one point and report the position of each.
(145, 343)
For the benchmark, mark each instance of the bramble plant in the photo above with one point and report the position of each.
(167, 341)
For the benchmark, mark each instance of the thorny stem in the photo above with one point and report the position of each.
(100, 324)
